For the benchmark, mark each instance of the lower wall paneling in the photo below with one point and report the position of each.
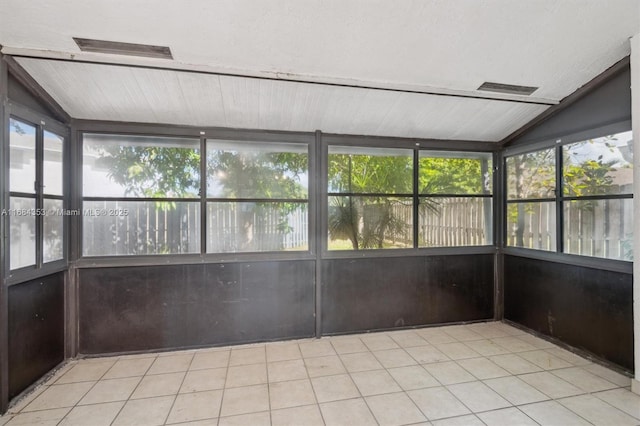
(381, 293)
(36, 330)
(163, 307)
(590, 309)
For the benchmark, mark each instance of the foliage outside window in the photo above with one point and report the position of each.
(595, 199)
(597, 188)
(370, 198)
(141, 195)
(257, 196)
(36, 195)
(455, 199)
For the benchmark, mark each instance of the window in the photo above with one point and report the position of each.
(370, 203)
(597, 181)
(257, 196)
(141, 195)
(36, 221)
(531, 186)
(593, 200)
(455, 199)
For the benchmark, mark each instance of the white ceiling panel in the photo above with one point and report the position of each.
(119, 93)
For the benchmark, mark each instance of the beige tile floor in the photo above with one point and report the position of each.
(477, 374)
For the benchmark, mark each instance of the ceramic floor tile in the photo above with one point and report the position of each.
(158, 385)
(550, 413)
(597, 411)
(486, 347)
(363, 361)
(482, 368)
(570, 357)
(407, 339)
(283, 352)
(437, 403)
(487, 330)
(43, 418)
(210, 359)
(204, 380)
(291, 394)
(247, 356)
(348, 345)
(513, 344)
(22, 402)
(551, 385)
(515, 364)
(253, 419)
(145, 412)
(286, 370)
(375, 382)
(394, 409)
(324, 366)
(195, 406)
(246, 375)
(536, 342)
(515, 390)
(434, 336)
(60, 396)
(544, 360)
(478, 397)
(379, 342)
(111, 391)
(608, 374)
(506, 417)
(394, 358)
(427, 354)
(623, 400)
(462, 333)
(316, 348)
(349, 412)
(94, 415)
(129, 368)
(308, 415)
(457, 351)
(509, 329)
(449, 373)
(171, 364)
(333, 388)
(85, 372)
(249, 399)
(413, 377)
(586, 381)
(469, 420)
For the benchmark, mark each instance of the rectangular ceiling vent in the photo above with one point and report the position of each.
(119, 48)
(511, 89)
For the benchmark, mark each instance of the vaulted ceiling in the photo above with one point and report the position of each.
(407, 68)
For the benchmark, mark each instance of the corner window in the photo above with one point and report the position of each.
(36, 217)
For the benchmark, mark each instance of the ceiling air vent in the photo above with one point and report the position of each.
(119, 48)
(511, 89)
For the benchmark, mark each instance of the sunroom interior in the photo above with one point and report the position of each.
(204, 174)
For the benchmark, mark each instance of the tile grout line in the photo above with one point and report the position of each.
(179, 387)
(134, 389)
(224, 387)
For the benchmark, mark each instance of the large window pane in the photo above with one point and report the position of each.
(113, 228)
(257, 170)
(370, 170)
(22, 157)
(140, 166)
(52, 247)
(455, 221)
(454, 173)
(531, 175)
(360, 222)
(601, 228)
(599, 166)
(532, 225)
(22, 225)
(52, 166)
(255, 227)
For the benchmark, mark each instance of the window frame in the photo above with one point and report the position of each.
(41, 123)
(559, 255)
